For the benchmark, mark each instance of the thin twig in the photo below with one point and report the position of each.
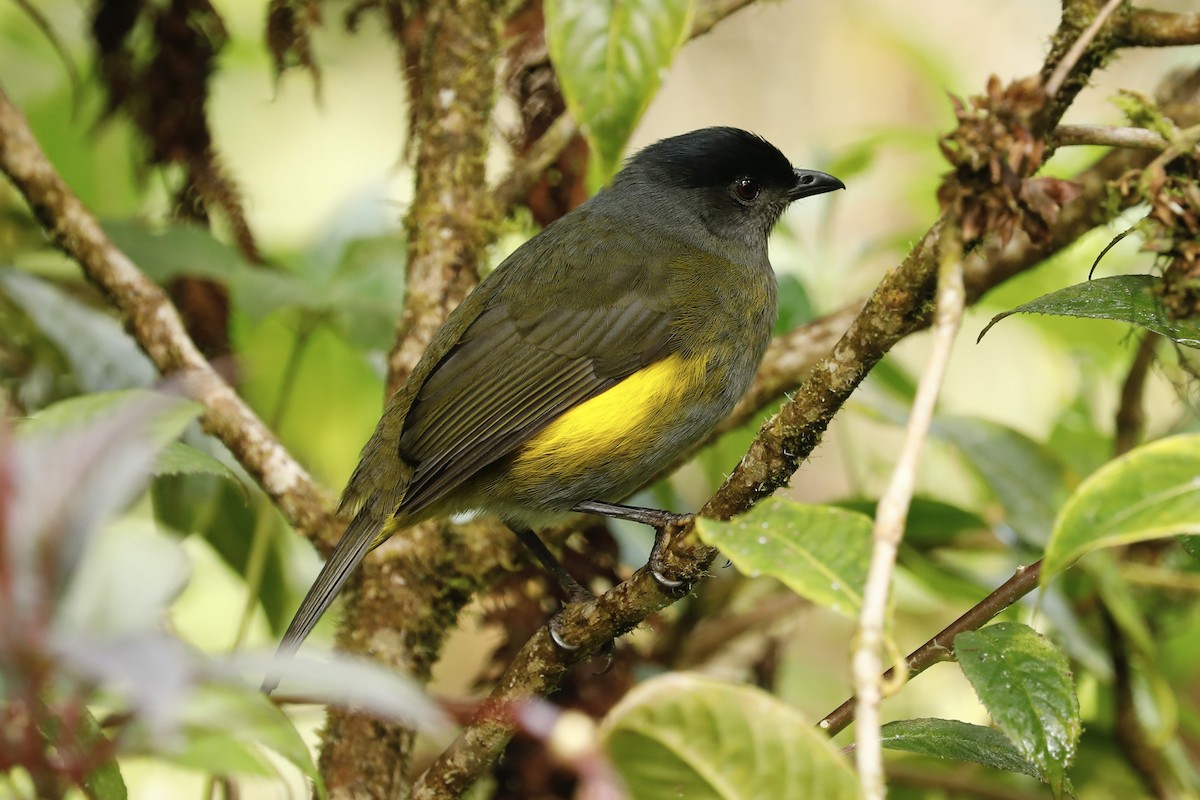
(526, 172)
(1077, 50)
(939, 648)
(866, 660)
(1107, 136)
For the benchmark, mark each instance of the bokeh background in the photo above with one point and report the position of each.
(856, 87)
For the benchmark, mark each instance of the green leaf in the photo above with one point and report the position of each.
(104, 781)
(100, 450)
(180, 458)
(164, 425)
(1026, 478)
(367, 289)
(1123, 298)
(610, 57)
(931, 522)
(360, 296)
(1190, 544)
(1151, 492)
(795, 304)
(819, 552)
(683, 735)
(174, 250)
(1025, 684)
(958, 741)
(219, 720)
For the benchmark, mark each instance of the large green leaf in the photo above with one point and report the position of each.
(819, 552)
(1028, 480)
(683, 735)
(930, 523)
(360, 296)
(168, 421)
(1123, 298)
(958, 741)
(169, 251)
(1025, 684)
(181, 458)
(1151, 492)
(219, 512)
(610, 57)
(176, 250)
(223, 725)
(99, 450)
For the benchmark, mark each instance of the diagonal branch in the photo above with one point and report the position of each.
(940, 647)
(156, 326)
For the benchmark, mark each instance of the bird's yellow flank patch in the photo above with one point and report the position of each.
(614, 422)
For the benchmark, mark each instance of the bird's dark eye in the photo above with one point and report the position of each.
(747, 189)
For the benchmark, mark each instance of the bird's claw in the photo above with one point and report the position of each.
(557, 638)
(672, 587)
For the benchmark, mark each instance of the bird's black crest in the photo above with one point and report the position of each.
(715, 157)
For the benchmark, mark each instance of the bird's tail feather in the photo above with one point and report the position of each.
(360, 537)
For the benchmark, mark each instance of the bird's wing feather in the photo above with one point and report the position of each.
(512, 373)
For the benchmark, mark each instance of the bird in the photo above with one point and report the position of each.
(588, 361)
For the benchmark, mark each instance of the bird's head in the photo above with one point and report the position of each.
(736, 182)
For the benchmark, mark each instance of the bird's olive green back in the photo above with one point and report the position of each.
(553, 332)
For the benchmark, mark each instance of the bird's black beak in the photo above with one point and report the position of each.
(810, 182)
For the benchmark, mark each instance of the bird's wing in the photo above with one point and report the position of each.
(516, 368)
(513, 371)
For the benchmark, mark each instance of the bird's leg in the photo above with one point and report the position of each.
(656, 518)
(573, 591)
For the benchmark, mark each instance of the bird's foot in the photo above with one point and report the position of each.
(663, 522)
(660, 566)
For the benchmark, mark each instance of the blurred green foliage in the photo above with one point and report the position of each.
(1026, 418)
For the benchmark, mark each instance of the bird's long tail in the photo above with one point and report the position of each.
(360, 536)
